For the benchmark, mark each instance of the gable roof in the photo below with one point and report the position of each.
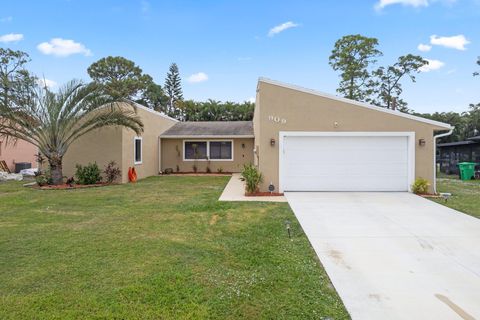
(160, 114)
(210, 129)
(353, 102)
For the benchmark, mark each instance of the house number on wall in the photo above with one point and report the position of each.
(277, 119)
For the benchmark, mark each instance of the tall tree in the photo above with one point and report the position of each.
(353, 55)
(14, 77)
(154, 97)
(173, 90)
(53, 121)
(477, 73)
(120, 76)
(386, 86)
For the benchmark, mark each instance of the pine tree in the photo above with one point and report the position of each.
(173, 89)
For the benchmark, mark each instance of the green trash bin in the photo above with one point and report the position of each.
(467, 170)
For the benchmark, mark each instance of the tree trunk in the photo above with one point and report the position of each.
(56, 170)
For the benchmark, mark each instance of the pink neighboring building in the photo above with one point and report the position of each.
(22, 151)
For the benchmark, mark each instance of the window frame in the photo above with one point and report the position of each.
(135, 139)
(208, 149)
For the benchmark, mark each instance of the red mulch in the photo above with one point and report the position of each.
(199, 174)
(264, 194)
(74, 186)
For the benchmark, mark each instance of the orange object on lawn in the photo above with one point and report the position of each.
(132, 174)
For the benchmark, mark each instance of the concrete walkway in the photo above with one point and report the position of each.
(235, 191)
(394, 255)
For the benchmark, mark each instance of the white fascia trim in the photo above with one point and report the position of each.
(410, 147)
(207, 137)
(138, 105)
(360, 104)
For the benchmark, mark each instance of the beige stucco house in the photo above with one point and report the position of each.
(300, 139)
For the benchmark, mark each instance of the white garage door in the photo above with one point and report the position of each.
(345, 163)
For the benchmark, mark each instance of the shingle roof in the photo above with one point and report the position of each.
(210, 129)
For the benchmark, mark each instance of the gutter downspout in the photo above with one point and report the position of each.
(435, 157)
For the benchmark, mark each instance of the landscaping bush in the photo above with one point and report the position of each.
(252, 178)
(89, 174)
(43, 178)
(112, 172)
(420, 186)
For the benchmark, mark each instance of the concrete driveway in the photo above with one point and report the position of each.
(394, 255)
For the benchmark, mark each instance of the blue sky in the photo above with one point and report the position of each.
(222, 47)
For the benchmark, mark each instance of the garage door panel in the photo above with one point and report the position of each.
(345, 163)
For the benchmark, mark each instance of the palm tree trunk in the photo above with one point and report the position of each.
(56, 170)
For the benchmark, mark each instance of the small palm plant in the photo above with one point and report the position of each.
(252, 178)
(52, 121)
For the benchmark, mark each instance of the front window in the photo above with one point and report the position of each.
(195, 150)
(221, 150)
(137, 150)
(208, 150)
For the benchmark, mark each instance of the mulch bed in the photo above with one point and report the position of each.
(198, 174)
(73, 186)
(264, 194)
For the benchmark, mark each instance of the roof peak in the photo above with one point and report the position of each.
(357, 103)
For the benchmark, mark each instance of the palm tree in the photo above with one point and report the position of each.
(52, 121)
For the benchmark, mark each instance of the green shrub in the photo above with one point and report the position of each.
(89, 174)
(112, 172)
(43, 178)
(252, 178)
(420, 186)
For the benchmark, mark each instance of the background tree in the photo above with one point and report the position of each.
(173, 90)
(154, 97)
(53, 121)
(386, 86)
(120, 77)
(14, 78)
(477, 73)
(353, 55)
(212, 110)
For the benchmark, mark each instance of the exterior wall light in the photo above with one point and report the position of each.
(421, 142)
(272, 142)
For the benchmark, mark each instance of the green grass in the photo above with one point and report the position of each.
(163, 248)
(465, 194)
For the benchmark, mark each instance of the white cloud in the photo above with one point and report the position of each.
(145, 7)
(244, 59)
(282, 27)
(46, 82)
(11, 37)
(6, 19)
(451, 71)
(455, 42)
(414, 3)
(198, 77)
(251, 100)
(63, 47)
(424, 47)
(432, 65)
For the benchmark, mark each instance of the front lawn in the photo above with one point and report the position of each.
(163, 248)
(465, 194)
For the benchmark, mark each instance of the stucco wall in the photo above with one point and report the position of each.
(115, 143)
(101, 146)
(154, 125)
(295, 110)
(172, 155)
(20, 151)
